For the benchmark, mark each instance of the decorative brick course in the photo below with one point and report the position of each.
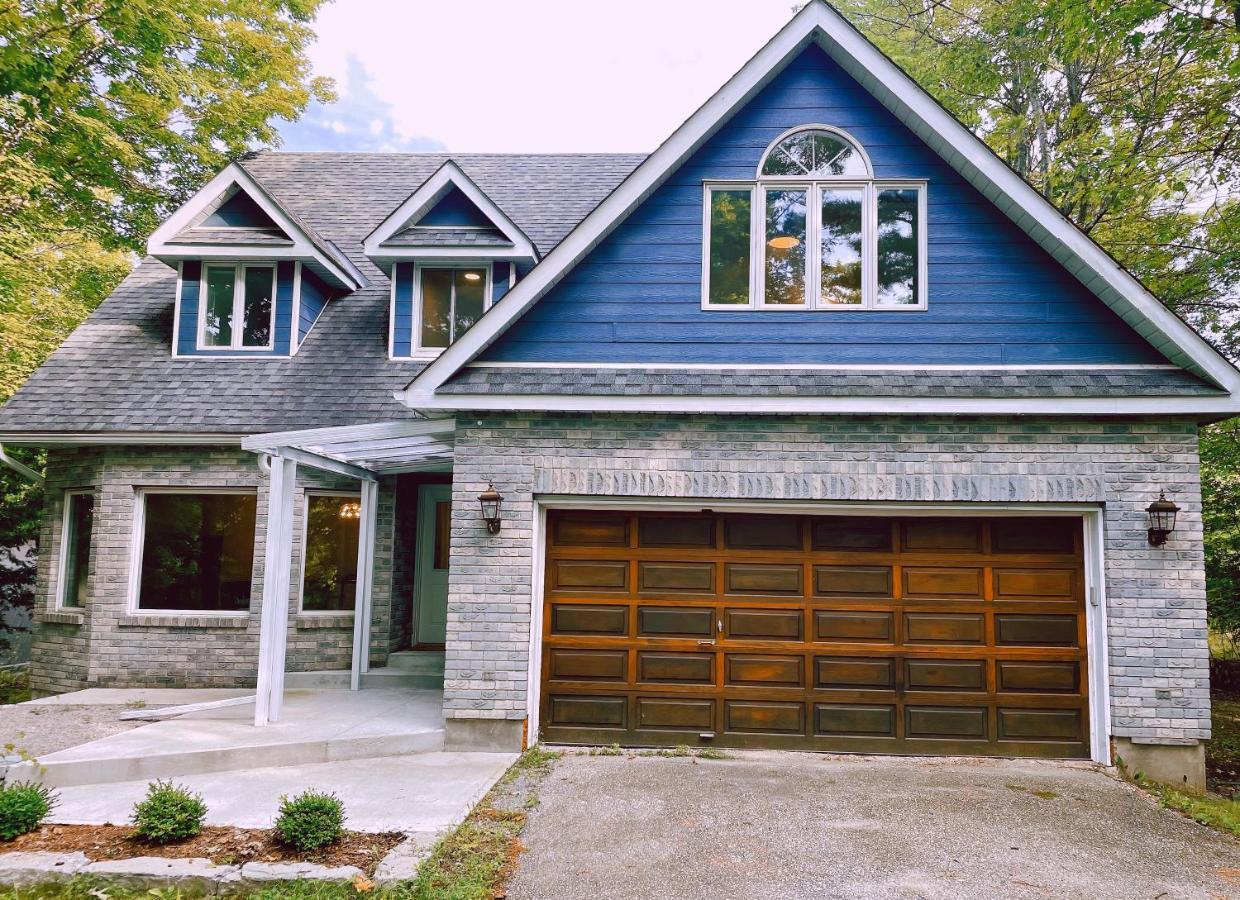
(1156, 596)
(114, 647)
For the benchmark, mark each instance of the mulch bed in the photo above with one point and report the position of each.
(224, 846)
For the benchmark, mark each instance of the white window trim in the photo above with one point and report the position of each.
(305, 539)
(62, 564)
(813, 287)
(832, 129)
(416, 350)
(238, 320)
(137, 547)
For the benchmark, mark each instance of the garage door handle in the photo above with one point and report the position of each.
(706, 643)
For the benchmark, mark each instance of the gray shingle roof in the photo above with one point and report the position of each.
(963, 383)
(116, 372)
(233, 235)
(417, 236)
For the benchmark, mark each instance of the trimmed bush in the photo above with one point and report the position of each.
(169, 813)
(310, 820)
(23, 807)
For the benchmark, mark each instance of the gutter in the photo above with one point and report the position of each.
(20, 468)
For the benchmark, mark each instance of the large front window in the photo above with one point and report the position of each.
(238, 306)
(451, 299)
(815, 230)
(329, 580)
(197, 552)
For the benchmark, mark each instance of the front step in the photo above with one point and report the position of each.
(388, 677)
(428, 662)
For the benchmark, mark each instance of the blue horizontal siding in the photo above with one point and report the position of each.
(994, 295)
(314, 297)
(402, 319)
(187, 334)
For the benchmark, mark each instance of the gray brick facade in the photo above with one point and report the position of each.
(105, 644)
(1156, 596)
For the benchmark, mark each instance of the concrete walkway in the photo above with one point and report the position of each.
(779, 825)
(424, 793)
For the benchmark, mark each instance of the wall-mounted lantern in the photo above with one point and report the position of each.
(1162, 519)
(491, 500)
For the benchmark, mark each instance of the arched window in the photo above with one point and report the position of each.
(815, 230)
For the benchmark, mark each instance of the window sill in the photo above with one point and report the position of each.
(189, 620)
(63, 616)
(323, 621)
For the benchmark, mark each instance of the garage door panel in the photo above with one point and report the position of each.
(852, 581)
(675, 577)
(675, 713)
(854, 672)
(579, 619)
(764, 717)
(866, 634)
(675, 621)
(854, 626)
(676, 668)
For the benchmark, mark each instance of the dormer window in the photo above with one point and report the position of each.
(239, 308)
(450, 300)
(814, 230)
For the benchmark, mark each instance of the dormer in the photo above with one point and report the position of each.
(253, 277)
(450, 252)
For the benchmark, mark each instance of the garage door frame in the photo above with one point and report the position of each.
(1095, 582)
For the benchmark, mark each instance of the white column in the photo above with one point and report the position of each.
(277, 566)
(368, 532)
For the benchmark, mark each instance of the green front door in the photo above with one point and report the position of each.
(431, 565)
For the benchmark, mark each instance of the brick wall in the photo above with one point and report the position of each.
(108, 645)
(1156, 596)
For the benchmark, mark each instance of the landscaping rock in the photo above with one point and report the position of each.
(401, 864)
(200, 876)
(25, 869)
(259, 872)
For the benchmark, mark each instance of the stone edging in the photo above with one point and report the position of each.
(24, 869)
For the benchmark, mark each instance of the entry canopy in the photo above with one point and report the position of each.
(365, 451)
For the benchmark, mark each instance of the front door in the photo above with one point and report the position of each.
(431, 563)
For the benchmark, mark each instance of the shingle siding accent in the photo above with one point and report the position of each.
(1156, 596)
(114, 647)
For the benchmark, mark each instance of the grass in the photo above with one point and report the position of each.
(1223, 748)
(471, 863)
(1216, 812)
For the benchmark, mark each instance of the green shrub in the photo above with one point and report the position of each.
(169, 813)
(310, 820)
(23, 807)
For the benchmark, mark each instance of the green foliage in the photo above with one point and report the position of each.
(1122, 114)
(1214, 812)
(23, 807)
(168, 813)
(1220, 496)
(14, 688)
(310, 820)
(112, 112)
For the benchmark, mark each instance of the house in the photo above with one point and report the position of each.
(817, 428)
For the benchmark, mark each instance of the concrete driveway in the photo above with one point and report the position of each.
(788, 825)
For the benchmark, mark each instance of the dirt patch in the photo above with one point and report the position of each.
(224, 846)
(42, 729)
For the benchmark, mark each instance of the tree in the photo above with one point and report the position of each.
(112, 112)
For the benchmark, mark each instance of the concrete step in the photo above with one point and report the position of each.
(423, 661)
(317, 727)
(375, 678)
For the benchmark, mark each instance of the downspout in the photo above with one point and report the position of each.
(20, 468)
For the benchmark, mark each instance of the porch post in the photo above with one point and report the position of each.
(277, 565)
(368, 532)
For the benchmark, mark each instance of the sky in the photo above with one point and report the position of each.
(521, 77)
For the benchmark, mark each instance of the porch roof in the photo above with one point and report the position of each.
(365, 451)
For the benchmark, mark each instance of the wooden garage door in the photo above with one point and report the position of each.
(877, 635)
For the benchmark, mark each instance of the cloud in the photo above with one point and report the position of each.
(360, 120)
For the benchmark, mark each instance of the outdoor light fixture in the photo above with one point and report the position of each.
(491, 500)
(1162, 519)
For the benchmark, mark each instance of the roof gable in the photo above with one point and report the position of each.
(449, 200)
(819, 24)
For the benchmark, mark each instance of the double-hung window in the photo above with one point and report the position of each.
(450, 299)
(237, 311)
(329, 552)
(815, 230)
(75, 533)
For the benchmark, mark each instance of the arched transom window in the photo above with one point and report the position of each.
(815, 230)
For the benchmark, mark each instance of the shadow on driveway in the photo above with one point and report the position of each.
(792, 825)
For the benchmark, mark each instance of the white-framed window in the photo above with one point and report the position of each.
(448, 298)
(236, 308)
(814, 230)
(76, 528)
(193, 551)
(331, 535)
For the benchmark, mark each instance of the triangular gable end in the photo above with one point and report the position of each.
(819, 23)
(186, 234)
(449, 199)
